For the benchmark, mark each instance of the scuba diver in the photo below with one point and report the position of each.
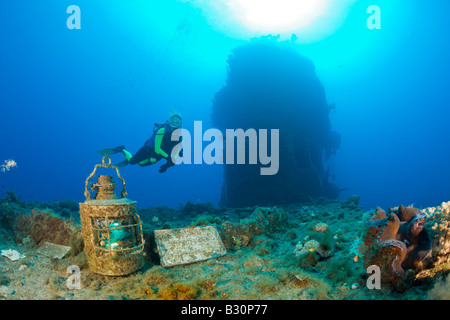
(158, 146)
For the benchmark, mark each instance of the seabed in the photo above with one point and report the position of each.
(270, 256)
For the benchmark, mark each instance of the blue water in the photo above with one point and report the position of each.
(65, 94)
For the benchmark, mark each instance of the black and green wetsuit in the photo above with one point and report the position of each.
(157, 147)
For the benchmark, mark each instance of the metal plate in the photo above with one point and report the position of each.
(53, 250)
(188, 245)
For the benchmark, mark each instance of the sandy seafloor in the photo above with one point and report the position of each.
(257, 266)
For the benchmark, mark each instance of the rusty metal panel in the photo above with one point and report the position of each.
(188, 245)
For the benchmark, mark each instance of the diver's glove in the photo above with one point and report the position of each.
(167, 165)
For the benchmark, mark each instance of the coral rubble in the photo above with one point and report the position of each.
(438, 227)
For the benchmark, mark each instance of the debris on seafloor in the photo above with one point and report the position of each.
(188, 245)
(53, 250)
(12, 255)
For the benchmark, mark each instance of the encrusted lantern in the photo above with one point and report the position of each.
(112, 230)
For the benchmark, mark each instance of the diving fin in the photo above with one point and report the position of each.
(107, 152)
(122, 164)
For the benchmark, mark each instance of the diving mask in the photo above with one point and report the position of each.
(175, 122)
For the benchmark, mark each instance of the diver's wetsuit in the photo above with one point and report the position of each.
(143, 155)
(157, 147)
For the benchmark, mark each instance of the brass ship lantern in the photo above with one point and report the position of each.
(112, 230)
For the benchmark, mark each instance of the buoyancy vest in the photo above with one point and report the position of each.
(167, 144)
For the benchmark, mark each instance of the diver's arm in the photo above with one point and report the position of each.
(169, 162)
(158, 142)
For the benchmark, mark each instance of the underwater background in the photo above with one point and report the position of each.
(67, 93)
